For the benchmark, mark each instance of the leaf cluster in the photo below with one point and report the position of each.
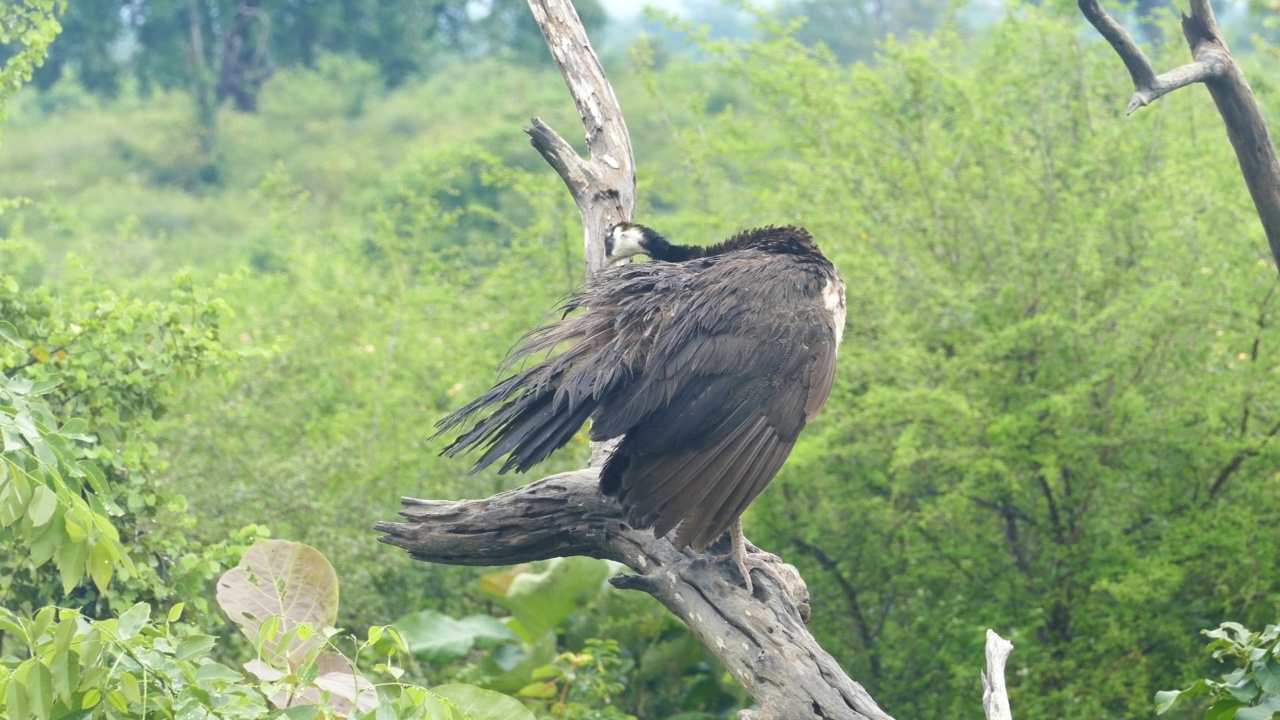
(1250, 691)
(284, 597)
(125, 667)
(550, 650)
(85, 375)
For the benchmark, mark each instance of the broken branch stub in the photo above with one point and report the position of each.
(995, 695)
(604, 185)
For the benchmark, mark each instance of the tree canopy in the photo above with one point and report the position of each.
(230, 47)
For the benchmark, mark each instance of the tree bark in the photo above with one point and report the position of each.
(243, 61)
(995, 696)
(761, 639)
(1214, 66)
(604, 186)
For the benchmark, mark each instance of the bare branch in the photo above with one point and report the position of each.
(1239, 459)
(561, 156)
(1147, 86)
(609, 195)
(1139, 66)
(995, 696)
(762, 640)
(1212, 65)
(1164, 83)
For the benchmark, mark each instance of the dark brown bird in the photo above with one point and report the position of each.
(707, 363)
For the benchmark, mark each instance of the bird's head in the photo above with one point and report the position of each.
(628, 240)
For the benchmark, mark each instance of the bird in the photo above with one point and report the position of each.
(704, 363)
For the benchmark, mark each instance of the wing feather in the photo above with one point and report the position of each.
(707, 371)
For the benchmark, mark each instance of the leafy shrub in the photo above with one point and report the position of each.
(134, 666)
(1250, 691)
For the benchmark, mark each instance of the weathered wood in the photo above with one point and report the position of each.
(604, 186)
(995, 696)
(761, 639)
(1214, 66)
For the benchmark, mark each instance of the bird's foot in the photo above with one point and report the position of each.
(766, 562)
(756, 559)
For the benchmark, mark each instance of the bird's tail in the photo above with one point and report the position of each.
(531, 422)
(538, 409)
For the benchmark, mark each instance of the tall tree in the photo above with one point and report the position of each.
(224, 50)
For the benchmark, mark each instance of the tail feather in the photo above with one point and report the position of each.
(528, 425)
(539, 433)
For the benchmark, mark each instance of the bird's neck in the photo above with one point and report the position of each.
(660, 249)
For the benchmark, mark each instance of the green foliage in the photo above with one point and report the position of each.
(542, 601)
(126, 667)
(650, 664)
(360, 322)
(135, 666)
(1251, 691)
(855, 31)
(27, 27)
(1055, 407)
(481, 704)
(1055, 413)
(51, 503)
(121, 360)
(438, 638)
(575, 683)
(85, 375)
(284, 598)
(225, 50)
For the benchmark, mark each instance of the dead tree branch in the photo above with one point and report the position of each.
(1214, 66)
(995, 696)
(604, 186)
(762, 640)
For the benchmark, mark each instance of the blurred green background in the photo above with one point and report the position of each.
(1057, 398)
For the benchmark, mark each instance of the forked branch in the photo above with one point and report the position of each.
(1213, 65)
(603, 186)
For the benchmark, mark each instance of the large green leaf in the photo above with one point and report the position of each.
(510, 666)
(481, 704)
(286, 579)
(436, 637)
(541, 601)
(1267, 674)
(1265, 710)
(1224, 709)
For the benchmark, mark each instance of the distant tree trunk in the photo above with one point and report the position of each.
(235, 69)
(244, 63)
(201, 80)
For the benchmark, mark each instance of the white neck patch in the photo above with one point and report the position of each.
(626, 242)
(833, 299)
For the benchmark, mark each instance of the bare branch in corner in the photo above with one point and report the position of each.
(1213, 65)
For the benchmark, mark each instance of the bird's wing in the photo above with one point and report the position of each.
(722, 396)
(588, 351)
